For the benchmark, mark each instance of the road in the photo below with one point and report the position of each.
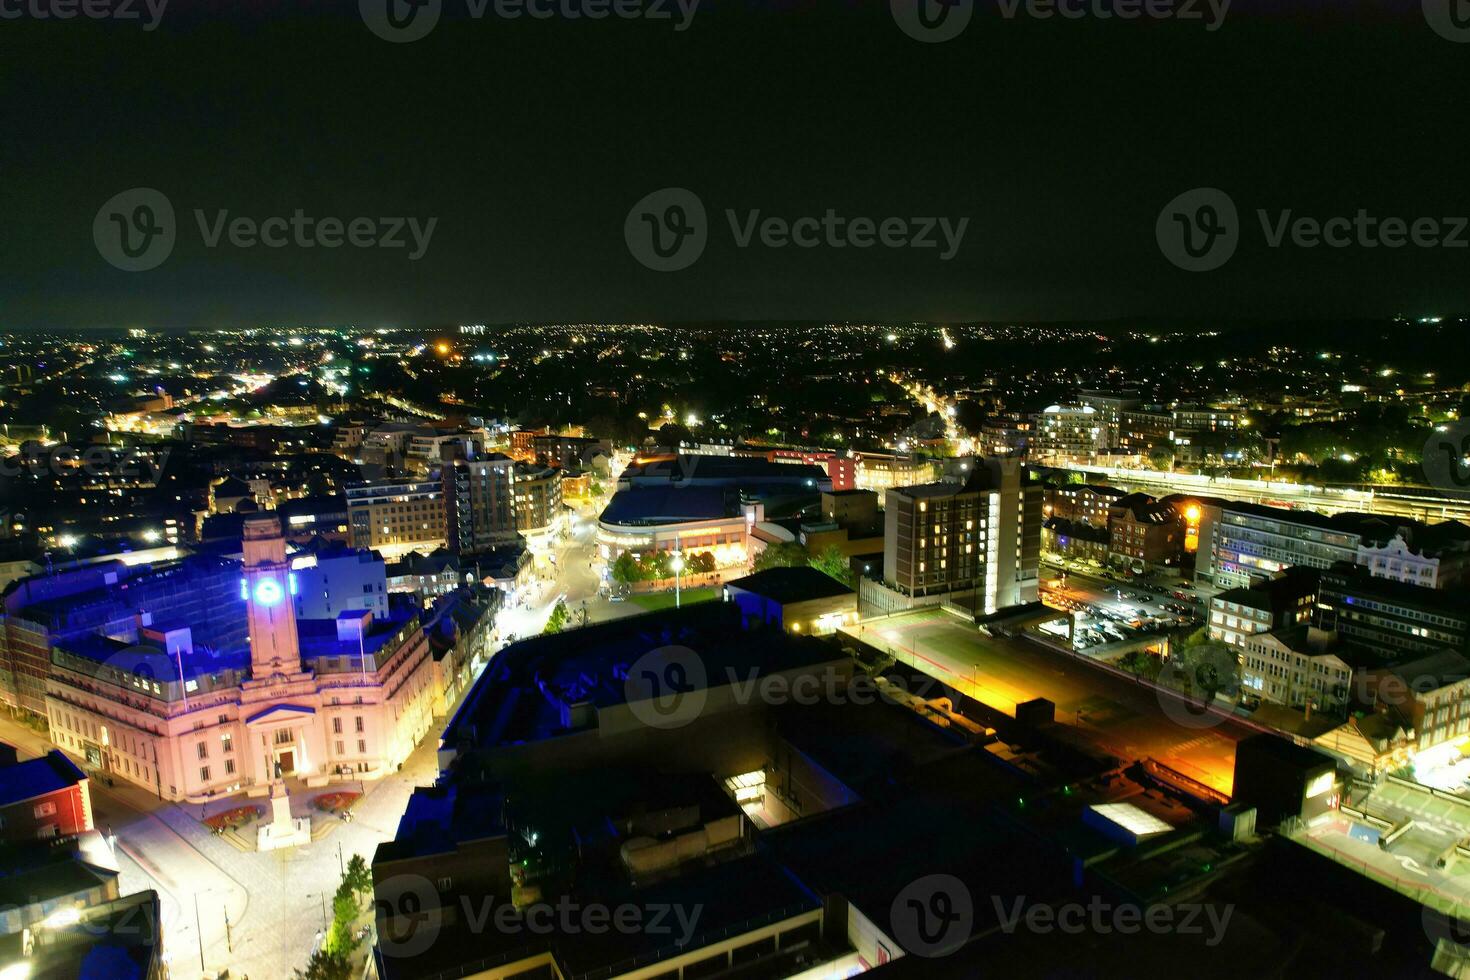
(1127, 718)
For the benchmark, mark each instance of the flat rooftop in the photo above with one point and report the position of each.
(786, 585)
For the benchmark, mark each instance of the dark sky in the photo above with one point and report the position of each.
(529, 141)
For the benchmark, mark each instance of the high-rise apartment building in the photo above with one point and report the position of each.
(396, 514)
(479, 503)
(981, 535)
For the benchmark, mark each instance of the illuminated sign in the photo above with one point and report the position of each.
(1321, 784)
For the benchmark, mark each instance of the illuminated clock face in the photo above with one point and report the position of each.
(268, 592)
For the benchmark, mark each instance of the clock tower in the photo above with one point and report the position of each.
(268, 588)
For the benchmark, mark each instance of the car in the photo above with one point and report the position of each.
(617, 598)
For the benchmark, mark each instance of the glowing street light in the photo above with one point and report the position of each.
(677, 564)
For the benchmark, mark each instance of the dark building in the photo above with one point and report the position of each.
(1394, 617)
(568, 452)
(1282, 780)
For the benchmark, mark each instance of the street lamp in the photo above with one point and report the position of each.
(677, 564)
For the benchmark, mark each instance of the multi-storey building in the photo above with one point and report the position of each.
(981, 535)
(1110, 406)
(479, 503)
(568, 452)
(1301, 668)
(1143, 428)
(1202, 418)
(1431, 695)
(1389, 615)
(538, 503)
(1250, 540)
(331, 578)
(1081, 503)
(1144, 532)
(1068, 432)
(879, 472)
(199, 707)
(1283, 601)
(396, 515)
(1436, 556)
(45, 610)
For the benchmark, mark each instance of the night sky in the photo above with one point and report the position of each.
(529, 141)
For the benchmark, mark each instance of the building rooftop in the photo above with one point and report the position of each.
(1281, 591)
(787, 585)
(37, 777)
(668, 505)
(525, 693)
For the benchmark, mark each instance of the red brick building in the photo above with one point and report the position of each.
(45, 797)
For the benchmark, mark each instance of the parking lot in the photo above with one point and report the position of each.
(1115, 614)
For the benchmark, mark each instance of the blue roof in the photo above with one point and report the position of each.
(37, 777)
(666, 505)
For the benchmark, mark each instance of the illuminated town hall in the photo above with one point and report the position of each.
(189, 687)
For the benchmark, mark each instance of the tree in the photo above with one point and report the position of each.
(786, 554)
(626, 569)
(834, 563)
(558, 619)
(325, 965)
(1161, 458)
(700, 563)
(344, 911)
(359, 876)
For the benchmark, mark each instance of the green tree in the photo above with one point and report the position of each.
(700, 563)
(834, 563)
(626, 569)
(344, 912)
(786, 554)
(558, 619)
(359, 876)
(1161, 458)
(325, 965)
